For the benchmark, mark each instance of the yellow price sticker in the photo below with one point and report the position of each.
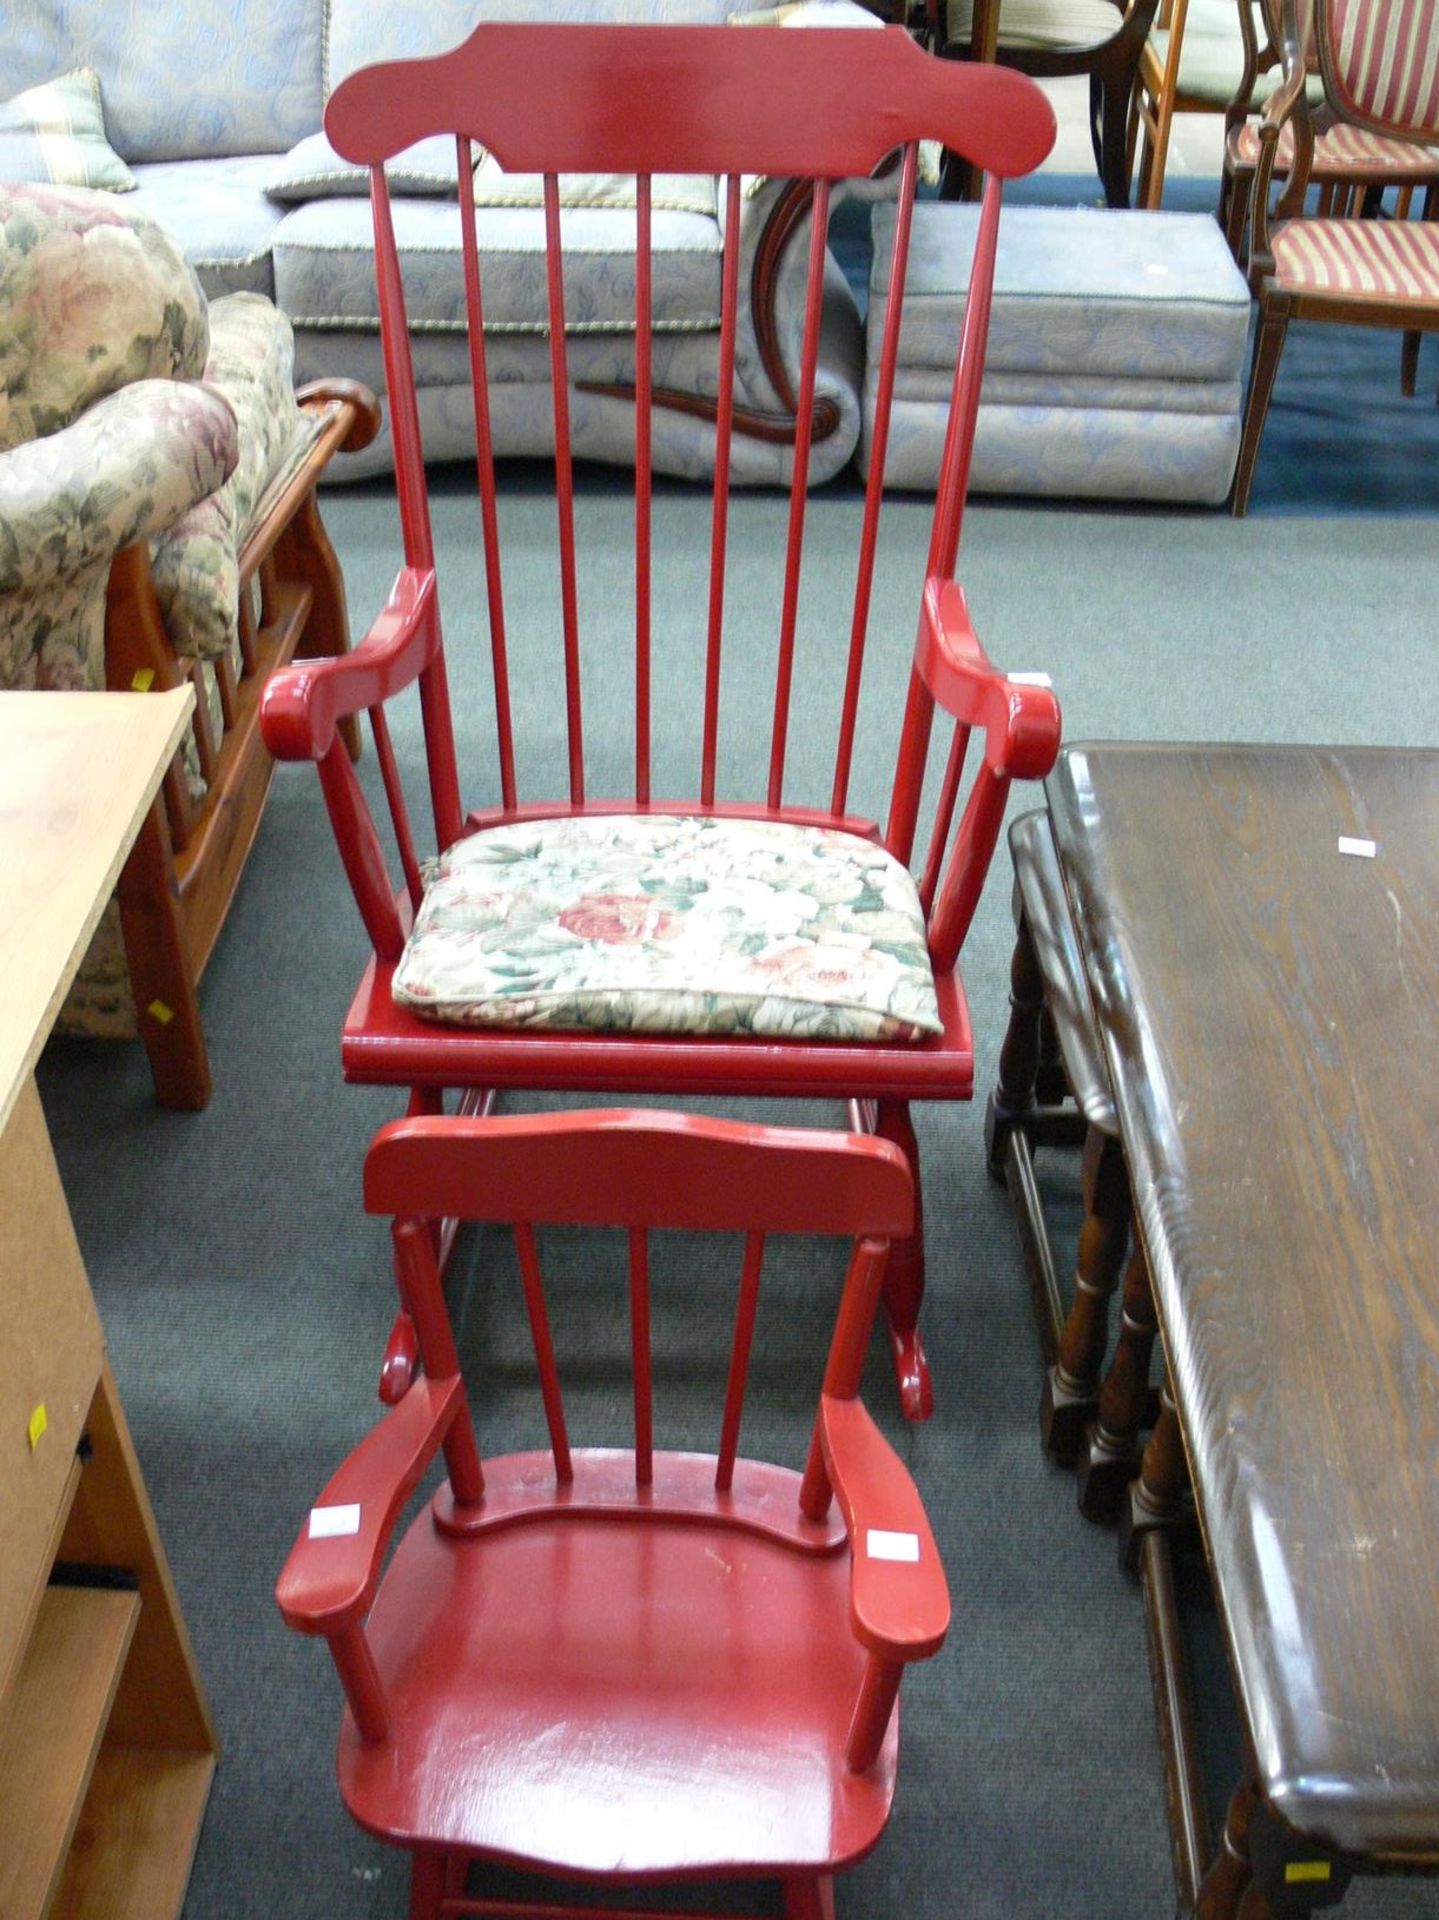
(39, 1420)
(1297, 1870)
(157, 1010)
(144, 679)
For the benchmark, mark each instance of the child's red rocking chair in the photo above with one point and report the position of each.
(624, 1665)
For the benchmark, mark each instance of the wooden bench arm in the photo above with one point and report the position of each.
(1021, 720)
(302, 704)
(899, 1597)
(329, 1581)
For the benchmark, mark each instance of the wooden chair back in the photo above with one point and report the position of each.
(639, 1170)
(1380, 62)
(817, 107)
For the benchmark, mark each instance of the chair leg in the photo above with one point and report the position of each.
(167, 1006)
(808, 1897)
(1268, 347)
(427, 1885)
(1113, 154)
(1234, 209)
(904, 1276)
(1096, 120)
(1409, 364)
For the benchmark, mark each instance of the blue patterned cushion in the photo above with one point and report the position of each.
(1076, 290)
(314, 171)
(361, 32)
(654, 923)
(217, 212)
(182, 78)
(55, 133)
(325, 269)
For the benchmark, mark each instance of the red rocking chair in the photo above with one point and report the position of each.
(700, 942)
(624, 1665)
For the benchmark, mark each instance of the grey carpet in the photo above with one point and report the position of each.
(246, 1296)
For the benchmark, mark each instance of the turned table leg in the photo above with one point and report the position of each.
(1071, 1387)
(1156, 1497)
(1223, 1886)
(1019, 1057)
(1113, 1456)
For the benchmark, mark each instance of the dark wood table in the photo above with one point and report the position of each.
(1260, 931)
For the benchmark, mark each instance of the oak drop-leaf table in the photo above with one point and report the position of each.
(1259, 928)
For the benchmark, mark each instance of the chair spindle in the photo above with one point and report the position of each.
(399, 807)
(739, 1359)
(564, 486)
(544, 1350)
(724, 429)
(399, 382)
(644, 323)
(943, 815)
(485, 463)
(640, 1352)
(964, 401)
(799, 484)
(874, 491)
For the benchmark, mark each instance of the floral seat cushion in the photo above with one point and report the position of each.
(656, 923)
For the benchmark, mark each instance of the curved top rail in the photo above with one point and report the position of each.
(628, 1167)
(563, 98)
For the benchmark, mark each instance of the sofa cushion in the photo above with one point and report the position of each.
(217, 211)
(656, 923)
(325, 275)
(314, 171)
(1042, 25)
(91, 298)
(1076, 290)
(669, 192)
(361, 33)
(56, 132)
(182, 78)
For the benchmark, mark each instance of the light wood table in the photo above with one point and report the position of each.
(106, 1744)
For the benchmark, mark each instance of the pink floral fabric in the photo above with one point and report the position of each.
(659, 923)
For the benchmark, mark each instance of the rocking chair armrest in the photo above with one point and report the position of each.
(899, 1597)
(303, 704)
(1020, 719)
(329, 1579)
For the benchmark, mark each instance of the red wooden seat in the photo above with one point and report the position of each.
(624, 1664)
(704, 100)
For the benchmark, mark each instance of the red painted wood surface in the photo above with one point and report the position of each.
(626, 1663)
(814, 107)
(691, 100)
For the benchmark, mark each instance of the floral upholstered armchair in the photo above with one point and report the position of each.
(158, 525)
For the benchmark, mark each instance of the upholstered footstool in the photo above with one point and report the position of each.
(1117, 346)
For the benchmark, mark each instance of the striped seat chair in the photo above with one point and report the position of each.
(1379, 60)
(1351, 164)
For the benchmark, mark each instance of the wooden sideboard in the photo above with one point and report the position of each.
(106, 1744)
